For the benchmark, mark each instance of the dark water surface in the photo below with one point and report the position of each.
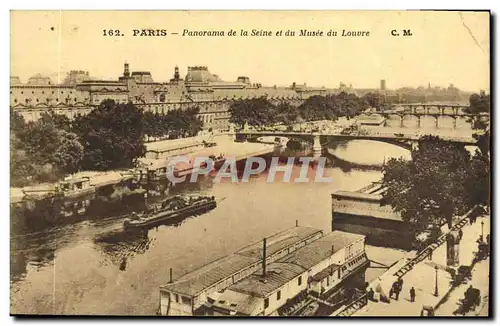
(92, 267)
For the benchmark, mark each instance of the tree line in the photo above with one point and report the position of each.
(112, 136)
(479, 103)
(443, 179)
(260, 111)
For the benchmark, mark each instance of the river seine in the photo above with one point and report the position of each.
(91, 267)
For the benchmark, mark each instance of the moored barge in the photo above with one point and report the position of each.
(172, 209)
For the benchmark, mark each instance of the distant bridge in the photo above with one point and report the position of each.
(405, 140)
(429, 108)
(404, 115)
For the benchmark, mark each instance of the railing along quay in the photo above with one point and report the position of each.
(424, 253)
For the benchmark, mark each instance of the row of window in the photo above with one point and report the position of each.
(355, 261)
(43, 92)
(48, 100)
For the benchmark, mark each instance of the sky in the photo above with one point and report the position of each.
(445, 47)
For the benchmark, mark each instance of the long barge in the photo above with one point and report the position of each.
(172, 209)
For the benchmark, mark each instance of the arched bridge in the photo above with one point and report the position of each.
(429, 108)
(406, 140)
(438, 113)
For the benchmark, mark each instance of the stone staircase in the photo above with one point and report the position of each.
(424, 253)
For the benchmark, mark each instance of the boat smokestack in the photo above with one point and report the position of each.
(264, 257)
(333, 250)
(296, 222)
(171, 279)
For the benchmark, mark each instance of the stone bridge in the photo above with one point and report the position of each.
(429, 108)
(406, 140)
(439, 116)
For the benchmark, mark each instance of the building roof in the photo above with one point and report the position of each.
(196, 281)
(277, 275)
(241, 303)
(286, 269)
(317, 251)
(210, 274)
(171, 144)
(357, 195)
(279, 241)
(325, 272)
(200, 75)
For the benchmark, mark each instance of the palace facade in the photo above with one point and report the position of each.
(79, 94)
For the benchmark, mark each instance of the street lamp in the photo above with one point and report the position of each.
(482, 225)
(436, 291)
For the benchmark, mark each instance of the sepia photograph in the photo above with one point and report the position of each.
(250, 163)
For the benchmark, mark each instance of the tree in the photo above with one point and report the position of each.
(112, 136)
(43, 150)
(478, 180)
(153, 124)
(60, 121)
(483, 142)
(21, 167)
(17, 123)
(69, 153)
(479, 103)
(431, 188)
(374, 100)
(286, 113)
(255, 112)
(194, 124)
(41, 139)
(180, 123)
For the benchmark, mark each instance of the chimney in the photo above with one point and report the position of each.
(264, 258)
(296, 223)
(126, 72)
(171, 279)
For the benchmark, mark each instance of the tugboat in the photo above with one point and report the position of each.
(172, 209)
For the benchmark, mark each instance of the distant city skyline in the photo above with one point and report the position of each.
(446, 47)
(164, 79)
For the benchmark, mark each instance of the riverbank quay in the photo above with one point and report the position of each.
(85, 181)
(220, 148)
(430, 277)
(155, 161)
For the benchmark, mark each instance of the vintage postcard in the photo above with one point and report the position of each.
(250, 163)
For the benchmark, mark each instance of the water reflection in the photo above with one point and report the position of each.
(121, 245)
(93, 266)
(366, 152)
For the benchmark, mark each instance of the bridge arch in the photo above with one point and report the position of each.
(433, 109)
(393, 120)
(449, 110)
(409, 121)
(419, 109)
(405, 144)
(428, 122)
(446, 122)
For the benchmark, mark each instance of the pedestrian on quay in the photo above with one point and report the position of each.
(412, 294)
(460, 234)
(394, 290)
(371, 295)
(400, 284)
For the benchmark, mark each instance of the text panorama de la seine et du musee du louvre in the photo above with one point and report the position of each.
(240, 32)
